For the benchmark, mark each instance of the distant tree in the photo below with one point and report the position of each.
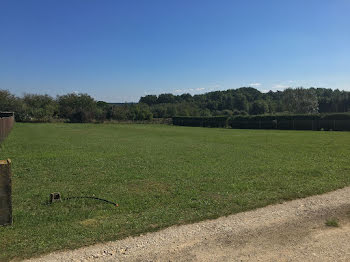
(170, 111)
(166, 98)
(229, 102)
(40, 107)
(186, 97)
(139, 112)
(158, 111)
(11, 103)
(102, 104)
(149, 99)
(104, 111)
(259, 107)
(77, 107)
(212, 105)
(183, 109)
(250, 93)
(205, 112)
(119, 112)
(300, 101)
(241, 102)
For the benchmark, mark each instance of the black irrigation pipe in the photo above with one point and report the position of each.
(91, 197)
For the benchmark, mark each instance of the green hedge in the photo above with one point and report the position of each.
(340, 122)
(336, 116)
(215, 121)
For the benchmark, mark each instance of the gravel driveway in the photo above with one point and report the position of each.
(291, 231)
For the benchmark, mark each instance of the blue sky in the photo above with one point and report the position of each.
(117, 51)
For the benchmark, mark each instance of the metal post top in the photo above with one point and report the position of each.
(5, 162)
(6, 114)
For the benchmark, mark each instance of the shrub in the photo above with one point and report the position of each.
(78, 108)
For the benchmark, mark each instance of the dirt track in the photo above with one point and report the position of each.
(292, 231)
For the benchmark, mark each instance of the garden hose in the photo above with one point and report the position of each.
(91, 197)
(56, 197)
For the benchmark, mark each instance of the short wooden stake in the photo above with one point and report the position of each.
(5, 193)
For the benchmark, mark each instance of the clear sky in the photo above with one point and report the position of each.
(117, 51)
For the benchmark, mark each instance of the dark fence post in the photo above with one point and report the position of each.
(5, 193)
(6, 123)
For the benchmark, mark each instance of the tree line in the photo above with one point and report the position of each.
(250, 101)
(242, 101)
(75, 108)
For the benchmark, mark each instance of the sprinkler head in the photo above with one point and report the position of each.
(55, 197)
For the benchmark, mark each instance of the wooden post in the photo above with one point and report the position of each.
(5, 192)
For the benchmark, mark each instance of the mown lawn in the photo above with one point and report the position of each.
(160, 175)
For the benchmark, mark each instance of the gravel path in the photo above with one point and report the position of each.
(291, 231)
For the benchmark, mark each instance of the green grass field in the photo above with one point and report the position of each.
(160, 175)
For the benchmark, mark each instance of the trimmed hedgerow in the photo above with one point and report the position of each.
(337, 121)
(215, 121)
(294, 122)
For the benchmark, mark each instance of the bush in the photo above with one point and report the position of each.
(40, 108)
(78, 108)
